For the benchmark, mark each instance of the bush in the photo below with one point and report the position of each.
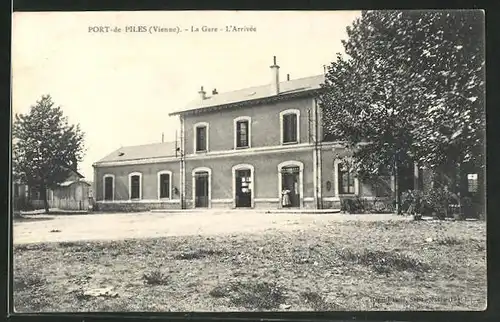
(436, 201)
(352, 205)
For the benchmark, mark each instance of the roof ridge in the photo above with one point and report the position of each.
(145, 144)
(256, 86)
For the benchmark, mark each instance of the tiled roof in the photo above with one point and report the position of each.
(254, 93)
(146, 151)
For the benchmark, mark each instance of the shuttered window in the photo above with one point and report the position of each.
(201, 138)
(242, 134)
(290, 128)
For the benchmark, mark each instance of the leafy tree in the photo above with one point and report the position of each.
(410, 90)
(45, 146)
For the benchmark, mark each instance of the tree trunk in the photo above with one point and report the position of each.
(397, 195)
(43, 193)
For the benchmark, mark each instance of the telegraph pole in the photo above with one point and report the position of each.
(317, 152)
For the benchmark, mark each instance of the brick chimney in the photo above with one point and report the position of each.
(275, 80)
(202, 93)
(214, 92)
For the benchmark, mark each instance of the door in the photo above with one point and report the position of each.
(243, 193)
(201, 190)
(290, 182)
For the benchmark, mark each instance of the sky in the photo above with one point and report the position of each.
(121, 85)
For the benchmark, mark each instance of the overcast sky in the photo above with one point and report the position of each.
(120, 86)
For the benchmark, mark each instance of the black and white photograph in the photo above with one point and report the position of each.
(248, 161)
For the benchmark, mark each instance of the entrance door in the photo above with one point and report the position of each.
(243, 193)
(290, 182)
(201, 190)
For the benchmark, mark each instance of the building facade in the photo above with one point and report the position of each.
(258, 147)
(72, 194)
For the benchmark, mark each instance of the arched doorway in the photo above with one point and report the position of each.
(202, 187)
(290, 182)
(243, 186)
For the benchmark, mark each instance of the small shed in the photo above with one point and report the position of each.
(71, 195)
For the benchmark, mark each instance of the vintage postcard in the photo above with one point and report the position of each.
(248, 161)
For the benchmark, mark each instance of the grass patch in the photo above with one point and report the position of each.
(254, 295)
(29, 282)
(316, 301)
(450, 241)
(197, 254)
(383, 261)
(348, 266)
(155, 277)
(30, 247)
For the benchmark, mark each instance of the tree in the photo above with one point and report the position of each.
(409, 91)
(45, 146)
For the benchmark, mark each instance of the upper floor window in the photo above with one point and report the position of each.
(290, 126)
(201, 137)
(135, 185)
(242, 128)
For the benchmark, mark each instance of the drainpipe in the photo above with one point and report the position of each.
(182, 166)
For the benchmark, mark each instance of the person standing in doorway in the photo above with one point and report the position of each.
(285, 200)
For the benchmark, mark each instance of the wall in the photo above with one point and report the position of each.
(265, 127)
(368, 188)
(265, 175)
(149, 180)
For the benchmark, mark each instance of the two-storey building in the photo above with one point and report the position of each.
(259, 147)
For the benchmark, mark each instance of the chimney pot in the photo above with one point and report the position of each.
(275, 80)
(287, 77)
(202, 93)
(214, 92)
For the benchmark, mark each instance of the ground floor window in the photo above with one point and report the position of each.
(135, 186)
(345, 179)
(164, 182)
(108, 187)
(472, 182)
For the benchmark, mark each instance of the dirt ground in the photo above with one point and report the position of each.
(57, 228)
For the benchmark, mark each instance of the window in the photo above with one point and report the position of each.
(346, 179)
(109, 187)
(201, 137)
(242, 127)
(290, 126)
(164, 184)
(472, 182)
(135, 185)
